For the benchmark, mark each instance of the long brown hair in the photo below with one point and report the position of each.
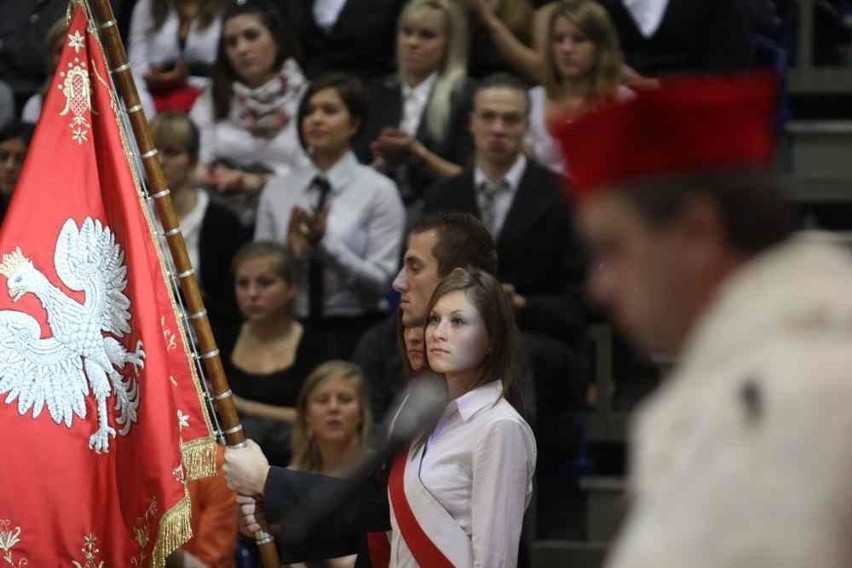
(593, 21)
(491, 301)
(306, 454)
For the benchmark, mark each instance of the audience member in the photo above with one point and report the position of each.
(54, 41)
(246, 115)
(14, 141)
(681, 36)
(345, 36)
(23, 26)
(582, 68)
(172, 48)
(332, 422)
(341, 220)
(416, 130)
(212, 232)
(214, 524)
(272, 354)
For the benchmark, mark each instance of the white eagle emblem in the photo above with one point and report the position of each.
(59, 371)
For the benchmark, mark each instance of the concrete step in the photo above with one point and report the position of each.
(605, 506)
(568, 554)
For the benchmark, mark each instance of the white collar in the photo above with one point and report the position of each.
(512, 177)
(339, 174)
(422, 90)
(648, 14)
(475, 400)
(193, 220)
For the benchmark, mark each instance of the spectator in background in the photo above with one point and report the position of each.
(247, 114)
(682, 36)
(416, 131)
(272, 354)
(212, 232)
(54, 41)
(516, 17)
(172, 48)
(582, 68)
(23, 26)
(14, 141)
(346, 36)
(332, 423)
(341, 220)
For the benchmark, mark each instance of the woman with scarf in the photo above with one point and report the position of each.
(247, 115)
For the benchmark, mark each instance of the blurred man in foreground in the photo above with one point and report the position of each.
(742, 458)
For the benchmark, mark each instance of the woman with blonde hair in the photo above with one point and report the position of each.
(582, 68)
(332, 418)
(416, 132)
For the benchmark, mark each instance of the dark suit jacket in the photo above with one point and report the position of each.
(360, 43)
(537, 249)
(222, 235)
(694, 36)
(386, 109)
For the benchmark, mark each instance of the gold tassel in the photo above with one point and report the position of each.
(199, 458)
(175, 530)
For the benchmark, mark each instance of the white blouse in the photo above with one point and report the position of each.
(478, 463)
(148, 47)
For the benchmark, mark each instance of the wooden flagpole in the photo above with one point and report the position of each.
(215, 373)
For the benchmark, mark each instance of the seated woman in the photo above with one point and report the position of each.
(272, 354)
(416, 131)
(247, 114)
(332, 422)
(171, 48)
(212, 233)
(466, 484)
(341, 220)
(582, 68)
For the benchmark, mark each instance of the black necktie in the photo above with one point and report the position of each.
(316, 292)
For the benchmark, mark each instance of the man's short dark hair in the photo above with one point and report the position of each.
(21, 130)
(755, 213)
(503, 80)
(463, 241)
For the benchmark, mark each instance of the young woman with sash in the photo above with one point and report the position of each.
(459, 494)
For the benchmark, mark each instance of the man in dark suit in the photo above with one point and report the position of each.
(349, 36)
(540, 260)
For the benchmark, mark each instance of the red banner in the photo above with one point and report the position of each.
(101, 419)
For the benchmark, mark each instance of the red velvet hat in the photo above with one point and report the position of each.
(688, 125)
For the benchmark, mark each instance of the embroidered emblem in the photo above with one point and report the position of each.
(183, 420)
(76, 41)
(168, 335)
(77, 88)
(82, 356)
(8, 539)
(142, 531)
(180, 474)
(90, 552)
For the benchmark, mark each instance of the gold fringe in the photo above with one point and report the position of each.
(199, 458)
(174, 531)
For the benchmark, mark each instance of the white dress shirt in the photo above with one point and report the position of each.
(414, 101)
(648, 14)
(148, 47)
(503, 200)
(326, 13)
(478, 463)
(364, 231)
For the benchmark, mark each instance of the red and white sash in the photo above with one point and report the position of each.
(429, 531)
